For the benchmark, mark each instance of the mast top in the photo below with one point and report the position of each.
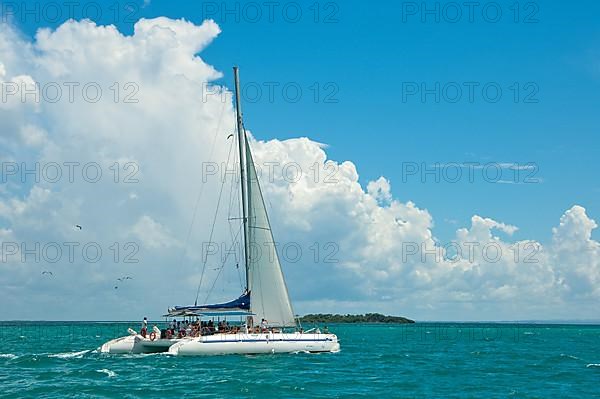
(238, 101)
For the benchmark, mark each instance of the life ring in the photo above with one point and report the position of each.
(152, 335)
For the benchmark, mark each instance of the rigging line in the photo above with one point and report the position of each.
(197, 205)
(233, 184)
(237, 266)
(232, 197)
(212, 229)
(218, 274)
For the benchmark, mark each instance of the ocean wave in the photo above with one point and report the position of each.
(8, 356)
(109, 373)
(69, 355)
(569, 356)
(593, 365)
(138, 355)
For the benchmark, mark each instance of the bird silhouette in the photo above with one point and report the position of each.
(230, 136)
(79, 227)
(122, 279)
(47, 272)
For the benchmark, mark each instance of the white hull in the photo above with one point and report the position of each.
(221, 344)
(137, 344)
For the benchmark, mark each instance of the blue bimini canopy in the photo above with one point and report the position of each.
(242, 303)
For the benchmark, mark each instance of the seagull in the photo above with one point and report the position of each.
(230, 136)
(47, 272)
(79, 227)
(122, 279)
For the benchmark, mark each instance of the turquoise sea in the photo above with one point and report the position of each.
(424, 360)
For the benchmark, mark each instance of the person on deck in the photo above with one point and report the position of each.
(144, 330)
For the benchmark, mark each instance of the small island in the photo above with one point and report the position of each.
(350, 318)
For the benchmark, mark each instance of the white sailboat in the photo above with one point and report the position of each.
(269, 325)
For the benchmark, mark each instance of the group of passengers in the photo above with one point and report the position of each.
(196, 328)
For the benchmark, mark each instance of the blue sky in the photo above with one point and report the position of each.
(380, 87)
(367, 52)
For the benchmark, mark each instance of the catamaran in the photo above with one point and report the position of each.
(267, 323)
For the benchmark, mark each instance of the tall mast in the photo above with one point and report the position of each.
(242, 148)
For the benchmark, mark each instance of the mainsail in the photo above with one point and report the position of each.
(269, 297)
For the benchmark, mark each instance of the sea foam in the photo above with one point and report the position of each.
(69, 355)
(108, 372)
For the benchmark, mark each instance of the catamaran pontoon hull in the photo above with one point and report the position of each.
(137, 344)
(245, 344)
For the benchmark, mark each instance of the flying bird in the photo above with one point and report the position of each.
(230, 136)
(122, 279)
(79, 227)
(47, 272)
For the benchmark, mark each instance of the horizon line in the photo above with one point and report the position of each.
(522, 321)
